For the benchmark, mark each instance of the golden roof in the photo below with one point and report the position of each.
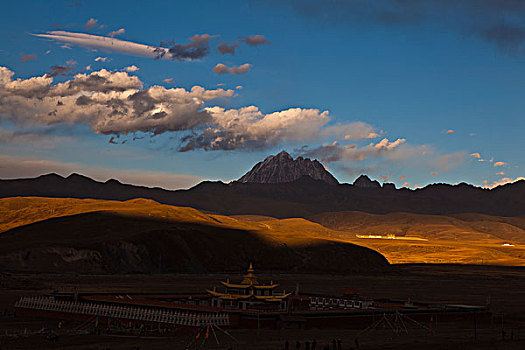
(266, 286)
(245, 286)
(234, 285)
(228, 296)
(272, 297)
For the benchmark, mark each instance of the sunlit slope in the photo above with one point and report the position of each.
(20, 211)
(462, 238)
(96, 236)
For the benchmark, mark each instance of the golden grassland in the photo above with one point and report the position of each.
(461, 238)
(19, 211)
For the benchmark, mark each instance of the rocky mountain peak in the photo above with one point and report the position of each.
(282, 155)
(282, 168)
(365, 182)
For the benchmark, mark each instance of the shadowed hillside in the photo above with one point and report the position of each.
(146, 237)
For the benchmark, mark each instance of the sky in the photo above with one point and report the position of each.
(176, 92)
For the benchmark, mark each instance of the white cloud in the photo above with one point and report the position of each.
(256, 40)
(337, 152)
(503, 181)
(106, 43)
(12, 167)
(116, 103)
(500, 164)
(117, 32)
(108, 102)
(475, 155)
(385, 144)
(348, 131)
(385, 178)
(222, 69)
(248, 127)
(101, 59)
(91, 23)
(131, 69)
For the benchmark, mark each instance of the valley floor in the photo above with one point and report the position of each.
(444, 251)
(502, 287)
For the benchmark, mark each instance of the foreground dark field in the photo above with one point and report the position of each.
(503, 286)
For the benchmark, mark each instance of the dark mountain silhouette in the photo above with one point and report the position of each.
(364, 181)
(300, 198)
(283, 168)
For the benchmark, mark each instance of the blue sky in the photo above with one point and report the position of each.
(425, 94)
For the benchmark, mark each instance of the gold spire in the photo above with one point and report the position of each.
(250, 278)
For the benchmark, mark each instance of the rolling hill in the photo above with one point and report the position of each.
(97, 236)
(142, 236)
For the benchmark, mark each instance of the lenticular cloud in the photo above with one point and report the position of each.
(197, 47)
(103, 42)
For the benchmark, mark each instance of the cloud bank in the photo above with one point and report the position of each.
(335, 151)
(116, 103)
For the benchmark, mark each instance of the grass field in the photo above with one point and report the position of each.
(463, 238)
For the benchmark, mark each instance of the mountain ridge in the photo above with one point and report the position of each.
(300, 198)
